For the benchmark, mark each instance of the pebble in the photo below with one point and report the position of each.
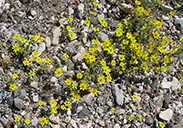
(101, 123)
(54, 119)
(165, 17)
(166, 115)
(34, 84)
(79, 56)
(87, 98)
(167, 8)
(48, 42)
(18, 103)
(179, 23)
(81, 8)
(103, 36)
(84, 112)
(56, 36)
(118, 93)
(54, 79)
(35, 98)
(149, 120)
(127, 8)
(41, 48)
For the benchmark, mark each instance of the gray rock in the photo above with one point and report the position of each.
(23, 94)
(70, 64)
(54, 119)
(48, 42)
(127, 8)
(158, 101)
(180, 124)
(112, 1)
(78, 58)
(6, 6)
(100, 111)
(41, 48)
(165, 17)
(4, 120)
(149, 120)
(34, 84)
(167, 100)
(63, 21)
(103, 36)
(56, 36)
(33, 12)
(118, 94)
(179, 23)
(34, 121)
(109, 103)
(17, 91)
(166, 115)
(18, 103)
(84, 112)
(87, 98)
(1, 11)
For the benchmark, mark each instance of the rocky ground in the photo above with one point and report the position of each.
(160, 98)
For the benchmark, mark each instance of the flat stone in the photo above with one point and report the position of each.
(18, 103)
(79, 56)
(56, 36)
(54, 80)
(166, 115)
(118, 93)
(127, 8)
(149, 120)
(165, 17)
(101, 123)
(34, 121)
(23, 94)
(103, 36)
(84, 112)
(87, 98)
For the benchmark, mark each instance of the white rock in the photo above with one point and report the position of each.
(33, 12)
(41, 48)
(55, 126)
(54, 80)
(166, 115)
(84, 66)
(35, 98)
(175, 84)
(6, 6)
(34, 84)
(1, 3)
(48, 42)
(73, 123)
(71, 11)
(34, 121)
(64, 69)
(167, 8)
(69, 112)
(103, 36)
(116, 126)
(54, 119)
(63, 21)
(56, 36)
(81, 8)
(165, 84)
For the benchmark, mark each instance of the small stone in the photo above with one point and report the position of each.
(179, 23)
(71, 11)
(54, 119)
(109, 103)
(120, 111)
(116, 126)
(101, 123)
(35, 98)
(33, 12)
(84, 112)
(1, 71)
(166, 115)
(79, 56)
(34, 84)
(87, 98)
(54, 80)
(103, 36)
(18, 103)
(48, 42)
(2, 2)
(166, 18)
(69, 125)
(34, 121)
(165, 84)
(167, 8)
(118, 93)
(41, 48)
(149, 120)
(84, 66)
(168, 32)
(23, 94)
(56, 36)
(176, 86)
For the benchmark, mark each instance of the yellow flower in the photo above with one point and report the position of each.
(12, 86)
(63, 107)
(68, 81)
(47, 60)
(66, 103)
(101, 79)
(111, 50)
(69, 19)
(162, 125)
(163, 68)
(130, 118)
(178, 5)
(119, 32)
(87, 22)
(103, 62)
(86, 55)
(94, 91)
(106, 69)
(155, 34)
(31, 73)
(135, 97)
(109, 78)
(92, 58)
(35, 54)
(52, 102)
(172, 13)
(96, 29)
(26, 62)
(172, 50)
(16, 48)
(101, 20)
(69, 28)
(167, 68)
(34, 37)
(53, 112)
(93, 13)
(178, 46)
(22, 40)
(83, 86)
(79, 75)
(158, 69)
(17, 119)
(27, 121)
(107, 43)
(126, 22)
(58, 71)
(129, 35)
(181, 39)
(140, 118)
(95, 3)
(14, 75)
(17, 37)
(159, 2)
(40, 38)
(74, 86)
(137, 2)
(71, 35)
(112, 109)
(44, 120)
(135, 69)
(77, 97)
(38, 60)
(119, 25)
(121, 57)
(105, 24)
(70, 107)
(66, 55)
(40, 102)
(144, 65)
